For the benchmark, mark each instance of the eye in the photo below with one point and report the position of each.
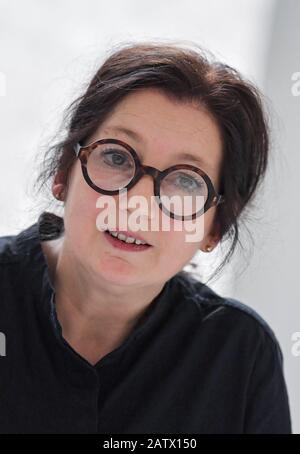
(116, 158)
(187, 182)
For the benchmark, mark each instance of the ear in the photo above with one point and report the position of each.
(58, 187)
(216, 235)
(212, 239)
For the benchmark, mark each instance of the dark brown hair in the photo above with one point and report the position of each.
(185, 74)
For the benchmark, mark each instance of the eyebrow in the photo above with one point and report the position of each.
(138, 138)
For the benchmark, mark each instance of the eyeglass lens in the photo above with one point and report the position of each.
(111, 167)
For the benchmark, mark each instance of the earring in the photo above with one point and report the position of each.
(208, 248)
(58, 195)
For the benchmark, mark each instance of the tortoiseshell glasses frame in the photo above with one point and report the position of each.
(83, 153)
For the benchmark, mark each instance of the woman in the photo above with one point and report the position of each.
(106, 336)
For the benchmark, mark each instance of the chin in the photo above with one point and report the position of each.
(118, 271)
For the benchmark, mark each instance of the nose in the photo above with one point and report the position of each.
(142, 198)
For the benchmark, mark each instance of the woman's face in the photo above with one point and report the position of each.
(166, 129)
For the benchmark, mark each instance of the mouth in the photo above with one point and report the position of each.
(126, 242)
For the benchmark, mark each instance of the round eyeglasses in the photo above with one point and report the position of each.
(111, 165)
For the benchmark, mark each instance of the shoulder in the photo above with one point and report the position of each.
(27, 243)
(226, 316)
(8, 249)
(15, 247)
(242, 341)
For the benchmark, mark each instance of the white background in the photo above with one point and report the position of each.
(49, 49)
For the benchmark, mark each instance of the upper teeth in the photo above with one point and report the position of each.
(127, 239)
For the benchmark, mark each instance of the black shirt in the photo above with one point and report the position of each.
(195, 362)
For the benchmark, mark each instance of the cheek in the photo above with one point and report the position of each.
(175, 253)
(180, 245)
(80, 210)
(189, 234)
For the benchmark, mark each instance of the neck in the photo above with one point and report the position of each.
(93, 312)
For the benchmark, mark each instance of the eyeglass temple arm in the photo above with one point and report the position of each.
(220, 199)
(77, 147)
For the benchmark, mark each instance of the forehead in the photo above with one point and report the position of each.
(170, 129)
